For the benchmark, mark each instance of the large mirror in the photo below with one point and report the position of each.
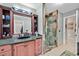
(22, 23)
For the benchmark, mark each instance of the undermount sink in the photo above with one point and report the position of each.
(23, 37)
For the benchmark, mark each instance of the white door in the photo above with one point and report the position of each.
(70, 29)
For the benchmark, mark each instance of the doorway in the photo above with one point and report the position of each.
(70, 33)
(70, 29)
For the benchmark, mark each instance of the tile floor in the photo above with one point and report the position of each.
(70, 46)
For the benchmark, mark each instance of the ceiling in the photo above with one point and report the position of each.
(63, 7)
(32, 5)
(35, 6)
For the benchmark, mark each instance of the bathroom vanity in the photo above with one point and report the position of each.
(16, 22)
(21, 47)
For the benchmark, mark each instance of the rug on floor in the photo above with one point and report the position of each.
(67, 53)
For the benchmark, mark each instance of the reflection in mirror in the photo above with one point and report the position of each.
(22, 21)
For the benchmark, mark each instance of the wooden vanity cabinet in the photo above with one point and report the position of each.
(24, 49)
(29, 48)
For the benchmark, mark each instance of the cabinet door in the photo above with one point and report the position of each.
(38, 46)
(7, 53)
(0, 22)
(30, 48)
(24, 49)
(19, 50)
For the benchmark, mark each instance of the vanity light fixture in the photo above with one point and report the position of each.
(22, 10)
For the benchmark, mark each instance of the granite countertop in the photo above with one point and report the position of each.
(16, 40)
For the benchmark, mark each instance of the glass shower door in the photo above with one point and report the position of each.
(51, 32)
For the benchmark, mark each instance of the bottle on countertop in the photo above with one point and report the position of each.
(26, 33)
(36, 33)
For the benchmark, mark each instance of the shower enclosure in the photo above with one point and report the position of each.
(51, 30)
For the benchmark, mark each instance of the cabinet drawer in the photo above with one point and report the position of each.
(7, 53)
(5, 48)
